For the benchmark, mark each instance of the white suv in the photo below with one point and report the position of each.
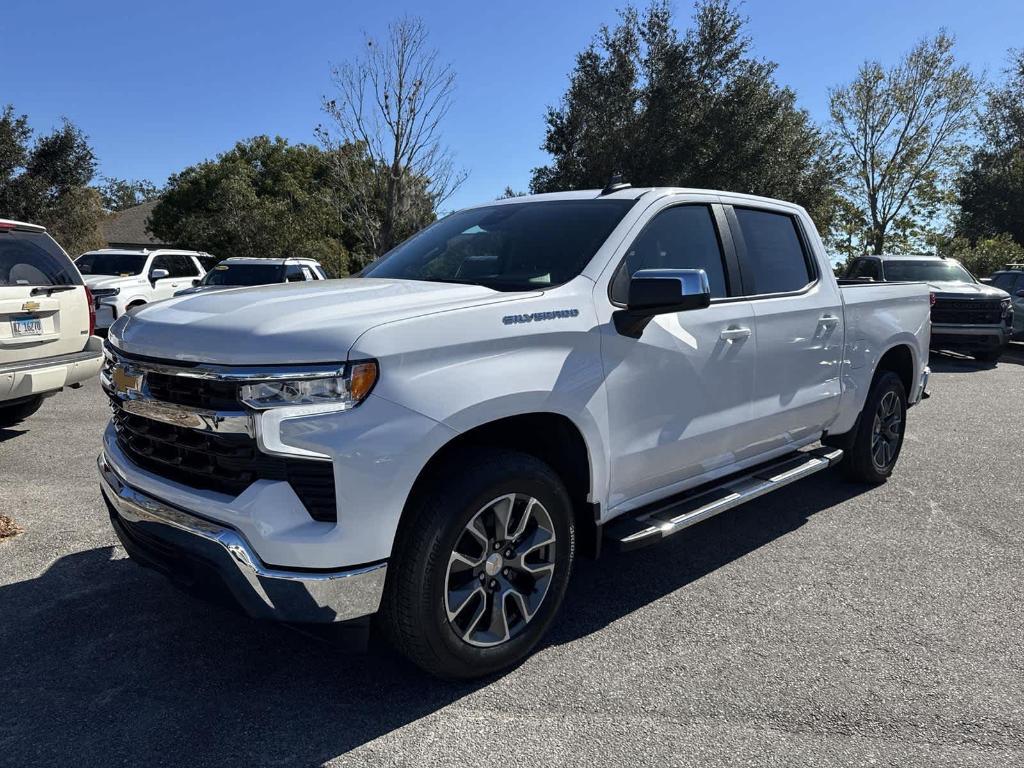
(46, 322)
(121, 280)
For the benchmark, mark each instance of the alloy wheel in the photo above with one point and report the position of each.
(500, 570)
(885, 433)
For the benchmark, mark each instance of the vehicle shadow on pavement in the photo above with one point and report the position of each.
(7, 433)
(102, 662)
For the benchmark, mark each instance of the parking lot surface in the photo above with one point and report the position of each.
(827, 624)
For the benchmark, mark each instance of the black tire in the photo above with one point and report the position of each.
(12, 414)
(861, 459)
(989, 355)
(414, 611)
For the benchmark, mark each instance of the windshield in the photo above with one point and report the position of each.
(33, 258)
(244, 274)
(122, 264)
(927, 271)
(512, 247)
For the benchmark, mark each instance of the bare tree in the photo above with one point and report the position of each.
(902, 130)
(389, 104)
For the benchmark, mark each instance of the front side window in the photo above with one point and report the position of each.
(114, 264)
(509, 247)
(932, 271)
(163, 262)
(682, 237)
(33, 258)
(775, 260)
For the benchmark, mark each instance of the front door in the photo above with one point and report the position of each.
(678, 396)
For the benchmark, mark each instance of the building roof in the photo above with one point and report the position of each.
(128, 227)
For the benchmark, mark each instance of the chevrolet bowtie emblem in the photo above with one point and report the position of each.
(30, 306)
(125, 380)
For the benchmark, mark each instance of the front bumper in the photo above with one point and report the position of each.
(201, 554)
(965, 336)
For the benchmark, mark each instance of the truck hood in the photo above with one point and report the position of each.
(288, 322)
(967, 291)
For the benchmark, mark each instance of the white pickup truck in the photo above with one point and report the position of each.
(435, 441)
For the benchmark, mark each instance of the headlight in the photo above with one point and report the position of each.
(102, 293)
(1007, 306)
(343, 392)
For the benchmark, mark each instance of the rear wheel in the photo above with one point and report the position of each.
(12, 414)
(871, 454)
(480, 566)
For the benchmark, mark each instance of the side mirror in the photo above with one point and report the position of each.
(659, 292)
(158, 274)
(197, 281)
(1020, 293)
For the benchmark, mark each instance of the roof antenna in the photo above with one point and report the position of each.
(615, 183)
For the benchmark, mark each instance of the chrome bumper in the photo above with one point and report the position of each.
(196, 552)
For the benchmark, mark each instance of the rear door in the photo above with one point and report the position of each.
(43, 305)
(799, 316)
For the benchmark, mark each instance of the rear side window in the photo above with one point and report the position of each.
(33, 258)
(294, 274)
(775, 260)
(682, 237)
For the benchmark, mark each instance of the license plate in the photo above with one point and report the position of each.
(27, 326)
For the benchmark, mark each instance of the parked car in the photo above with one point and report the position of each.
(437, 440)
(238, 271)
(46, 322)
(1011, 280)
(122, 280)
(967, 315)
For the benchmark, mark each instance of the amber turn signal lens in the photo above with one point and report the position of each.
(361, 380)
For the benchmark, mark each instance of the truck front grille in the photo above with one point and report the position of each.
(193, 392)
(967, 312)
(225, 463)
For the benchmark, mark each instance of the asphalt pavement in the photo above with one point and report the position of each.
(826, 624)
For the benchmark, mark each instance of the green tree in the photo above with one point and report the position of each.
(902, 131)
(45, 181)
(991, 190)
(693, 109)
(119, 194)
(263, 198)
(984, 255)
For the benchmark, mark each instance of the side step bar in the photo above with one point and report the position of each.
(650, 525)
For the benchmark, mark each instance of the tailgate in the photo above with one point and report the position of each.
(44, 308)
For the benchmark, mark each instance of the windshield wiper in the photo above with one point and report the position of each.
(48, 289)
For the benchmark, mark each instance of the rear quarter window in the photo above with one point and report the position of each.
(33, 258)
(775, 260)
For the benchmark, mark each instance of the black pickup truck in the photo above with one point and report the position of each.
(967, 315)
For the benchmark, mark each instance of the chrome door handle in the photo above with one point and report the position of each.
(734, 334)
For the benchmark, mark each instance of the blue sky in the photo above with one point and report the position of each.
(161, 85)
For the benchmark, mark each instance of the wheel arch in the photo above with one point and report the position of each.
(553, 438)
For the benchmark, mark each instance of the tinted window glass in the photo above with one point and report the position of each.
(511, 247)
(32, 258)
(1004, 281)
(775, 259)
(935, 271)
(294, 274)
(117, 264)
(867, 268)
(243, 274)
(182, 266)
(683, 237)
(162, 262)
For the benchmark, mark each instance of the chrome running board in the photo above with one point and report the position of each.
(654, 523)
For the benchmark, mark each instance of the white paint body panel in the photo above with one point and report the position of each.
(675, 408)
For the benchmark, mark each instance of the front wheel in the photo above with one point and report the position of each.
(878, 438)
(12, 414)
(480, 565)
